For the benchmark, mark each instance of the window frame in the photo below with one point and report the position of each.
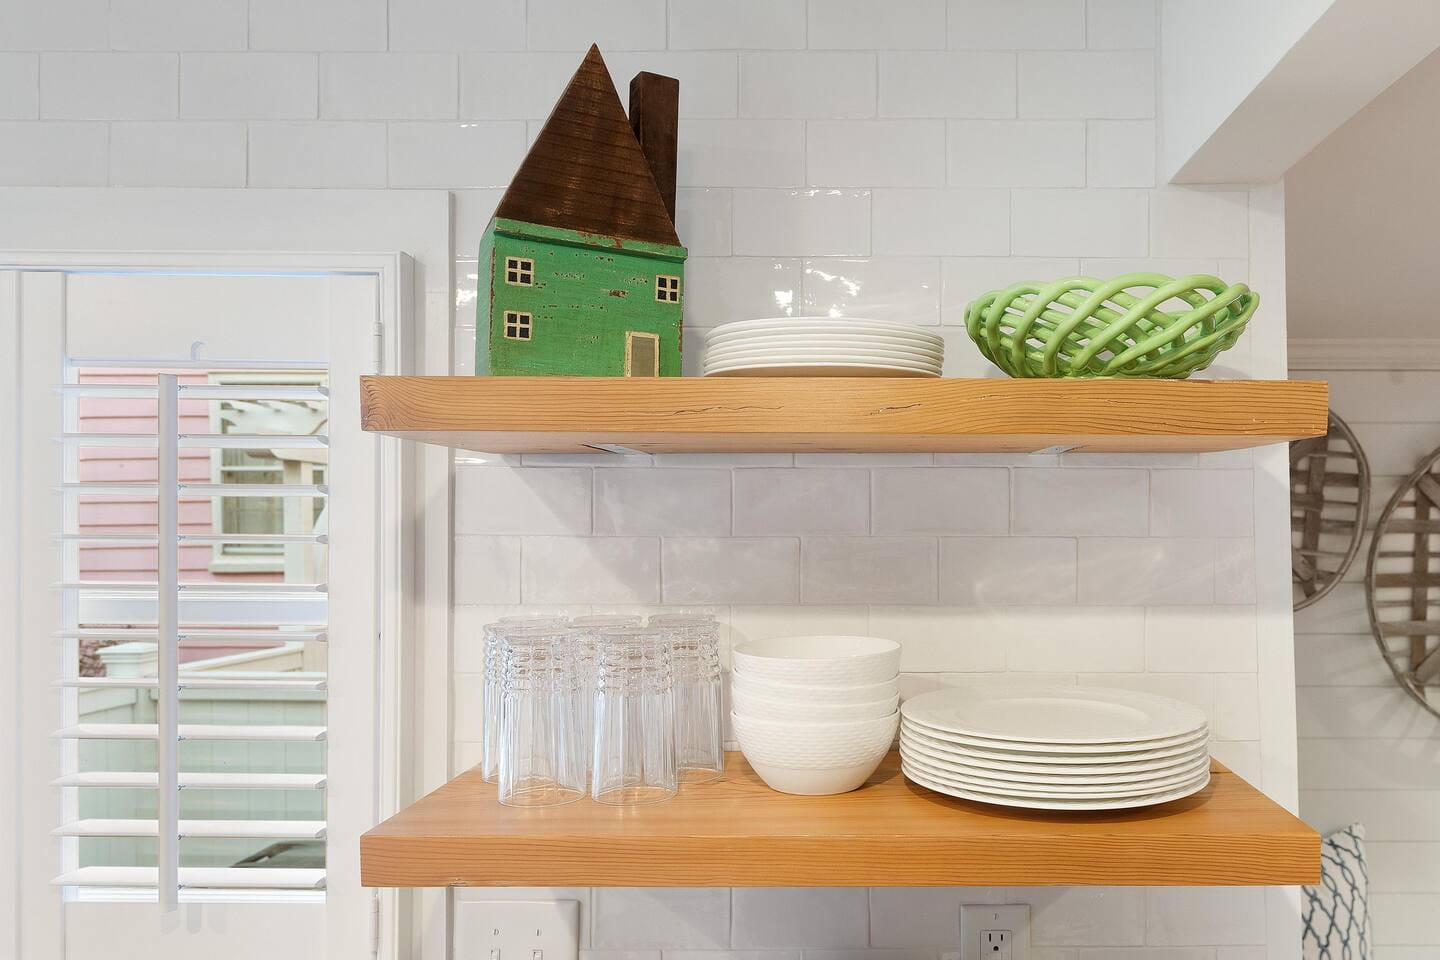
(524, 270)
(524, 322)
(667, 293)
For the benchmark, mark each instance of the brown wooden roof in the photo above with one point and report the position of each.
(586, 170)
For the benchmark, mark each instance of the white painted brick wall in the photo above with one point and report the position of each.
(837, 156)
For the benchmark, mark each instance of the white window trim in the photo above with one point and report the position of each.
(665, 293)
(524, 267)
(332, 230)
(524, 321)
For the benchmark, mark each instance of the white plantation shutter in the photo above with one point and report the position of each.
(188, 708)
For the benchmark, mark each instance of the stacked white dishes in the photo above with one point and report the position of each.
(1055, 748)
(815, 715)
(822, 347)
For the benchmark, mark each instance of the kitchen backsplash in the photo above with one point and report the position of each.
(836, 156)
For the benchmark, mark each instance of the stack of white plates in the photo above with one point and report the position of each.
(822, 347)
(1055, 748)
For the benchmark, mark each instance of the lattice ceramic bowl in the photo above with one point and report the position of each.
(763, 708)
(804, 693)
(1136, 325)
(819, 660)
(814, 746)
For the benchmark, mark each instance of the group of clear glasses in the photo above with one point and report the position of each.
(612, 706)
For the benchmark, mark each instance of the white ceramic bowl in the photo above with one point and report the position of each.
(762, 708)
(815, 783)
(805, 693)
(813, 746)
(818, 660)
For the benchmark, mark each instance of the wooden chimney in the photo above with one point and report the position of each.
(655, 118)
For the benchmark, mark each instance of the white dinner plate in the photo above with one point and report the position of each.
(773, 369)
(807, 324)
(854, 359)
(899, 353)
(1057, 715)
(1063, 789)
(1036, 804)
(1050, 795)
(1061, 753)
(926, 341)
(1055, 773)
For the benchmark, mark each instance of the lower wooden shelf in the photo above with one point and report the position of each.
(890, 832)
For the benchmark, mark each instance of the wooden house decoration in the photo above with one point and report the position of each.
(585, 271)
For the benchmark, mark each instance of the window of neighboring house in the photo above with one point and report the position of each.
(520, 271)
(517, 325)
(667, 289)
(264, 515)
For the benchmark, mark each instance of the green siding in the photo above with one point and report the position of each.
(588, 293)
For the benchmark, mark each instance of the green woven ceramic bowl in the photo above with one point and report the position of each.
(1136, 325)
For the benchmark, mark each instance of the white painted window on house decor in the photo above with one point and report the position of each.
(667, 289)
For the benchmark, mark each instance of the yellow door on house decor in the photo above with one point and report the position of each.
(642, 354)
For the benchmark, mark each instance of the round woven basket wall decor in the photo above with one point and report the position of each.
(1329, 505)
(1136, 325)
(1402, 584)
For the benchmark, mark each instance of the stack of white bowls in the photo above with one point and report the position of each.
(815, 715)
(822, 347)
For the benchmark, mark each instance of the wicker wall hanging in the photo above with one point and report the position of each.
(1402, 583)
(1329, 504)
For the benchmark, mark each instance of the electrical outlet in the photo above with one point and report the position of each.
(995, 932)
(517, 930)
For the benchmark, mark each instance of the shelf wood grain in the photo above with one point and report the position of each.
(890, 832)
(821, 415)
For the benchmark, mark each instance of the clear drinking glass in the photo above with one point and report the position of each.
(634, 742)
(582, 634)
(541, 756)
(699, 718)
(490, 689)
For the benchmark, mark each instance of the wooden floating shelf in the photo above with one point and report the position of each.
(890, 832)
(821, 415)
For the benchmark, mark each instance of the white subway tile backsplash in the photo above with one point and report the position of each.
(1084, 916)
(324, 154)
(1217, 639)
(1004, 25)
(487, 570)
(1199, 503)
(523, 500)
(1362, 712)
(1205, 915)
(1406, 815)
(811, 84)
(178, 24)
(1403, 867)
(506, 85)
(249, 86)
(638, 918)
(868, 570)
(1016, 153)
(1112, 86)
(709, 81)
(799, 916)
(877, 25)
(905, 289)
(771, 502)
(590, 570)
(54, 154)
(1100, 503)
(786, 223)
(1237, 707)
(721, 289)
(109, 86)
(1007, 571)
(457, 25)
(1120, 153)
(1147, 571)
(957, 222)
(915, 916)
(764, 622)
(449, 155)
(1120, 24)
(730, 570)
(318, 25)
(938, 640)
(964, 280)
(1066, 223)
(1187, 222)
(19, 86)
(389, 86)
(875, 153)
(177, 154)
(55, 24)
(1340, 660)
(923, 84)
(660, 503)
(1406, 919)
(614, 25)
(752, 24)
(703, 219)
(741, 153)
(1069, 639)
(1235, 571)
(940, 500)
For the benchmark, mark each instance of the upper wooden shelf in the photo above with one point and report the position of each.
(890, 832)
(817, 415)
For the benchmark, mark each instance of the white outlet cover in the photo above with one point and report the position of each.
(517, 930)
(975, 918)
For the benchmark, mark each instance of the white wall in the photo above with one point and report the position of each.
(1367, 752)
(839, 155)
(1360, 219)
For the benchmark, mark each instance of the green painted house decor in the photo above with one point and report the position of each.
(582, 271)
